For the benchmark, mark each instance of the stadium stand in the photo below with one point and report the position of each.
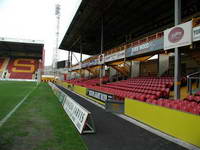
(129, 58)
(22, 60)
(22, 68)
(153, 90)
(18, 68)
(140, 88)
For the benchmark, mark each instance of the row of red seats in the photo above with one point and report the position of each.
(84, 82)
(163, 90)
(147, 83)
(21, 76)
(134, 89)
(181, 105)
(142, 84)
(194, 98)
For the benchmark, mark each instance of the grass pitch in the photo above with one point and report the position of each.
(40, 123)
(11, 93)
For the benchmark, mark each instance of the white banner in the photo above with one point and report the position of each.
(76, 112)
(178, 36)
(115, 56)
(28, 80)
(196, 33)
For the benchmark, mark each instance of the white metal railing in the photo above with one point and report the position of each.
(191, 78)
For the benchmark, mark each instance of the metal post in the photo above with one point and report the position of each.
(81, 57)
(39, 76)
(101, 48)
(190, 86)
(177, 69)
(71, 64)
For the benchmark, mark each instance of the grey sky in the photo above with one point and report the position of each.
(35, 19)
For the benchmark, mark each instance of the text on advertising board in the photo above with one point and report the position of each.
(99, 95)
(196, 33)
(76, 112)
(150, 46)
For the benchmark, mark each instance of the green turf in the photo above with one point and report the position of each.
(40, 124)
(11, 93)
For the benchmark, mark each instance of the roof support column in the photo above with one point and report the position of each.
(81, 55)
(68, 64)
(101, 68)
(177, 68)
(71, 64)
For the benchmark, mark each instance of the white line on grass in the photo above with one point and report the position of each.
(146, 127)
(15, 108)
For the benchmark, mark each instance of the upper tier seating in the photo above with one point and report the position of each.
(2, 63)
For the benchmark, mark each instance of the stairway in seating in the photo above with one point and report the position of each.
(5, 64)
(121, 69)
(93, 71)
(184, 92)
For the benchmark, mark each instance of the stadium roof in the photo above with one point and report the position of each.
(122, 18)
(21, 45)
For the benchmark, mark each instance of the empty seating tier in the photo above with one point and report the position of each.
(19, 68)
(140, 88)
(182, 105)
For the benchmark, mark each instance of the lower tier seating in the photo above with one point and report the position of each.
(140, 88)
(18, 68)
(182, 105)
(153, 90)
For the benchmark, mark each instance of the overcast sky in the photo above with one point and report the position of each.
(35, 19)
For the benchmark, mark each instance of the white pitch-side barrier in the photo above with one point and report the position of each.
(28, 80)
(81, 117)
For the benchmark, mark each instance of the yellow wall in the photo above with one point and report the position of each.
(48, 79)
(182, 125)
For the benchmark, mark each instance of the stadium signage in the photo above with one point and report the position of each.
(78, 114)
(91, 63)
(94, 62)
(99, 95)
(150, 46)
(196, 33)
(115, 56)
(178, 36)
